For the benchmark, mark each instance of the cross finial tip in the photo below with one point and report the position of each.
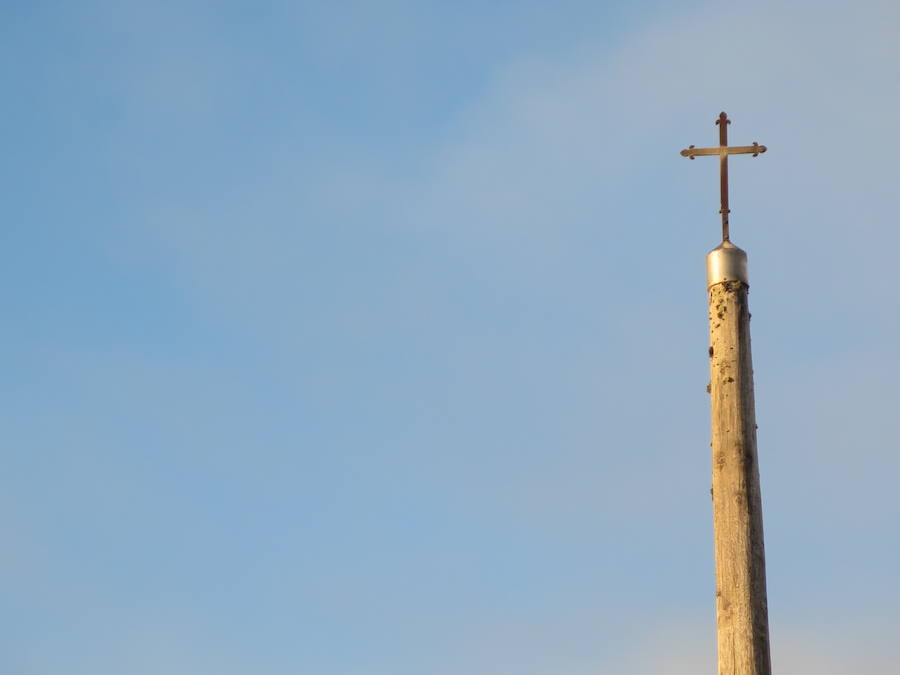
(723, 118)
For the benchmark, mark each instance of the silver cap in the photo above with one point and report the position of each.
(726, 262)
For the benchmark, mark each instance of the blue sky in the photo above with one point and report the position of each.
(371, 338)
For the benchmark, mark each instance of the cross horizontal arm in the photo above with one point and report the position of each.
(754, 150)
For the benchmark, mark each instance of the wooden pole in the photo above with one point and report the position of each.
(741, 612)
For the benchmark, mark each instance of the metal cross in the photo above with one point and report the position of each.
(723, 151)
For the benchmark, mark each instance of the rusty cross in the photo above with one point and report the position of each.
(723, 151)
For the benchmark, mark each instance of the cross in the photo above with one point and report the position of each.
(723, 151)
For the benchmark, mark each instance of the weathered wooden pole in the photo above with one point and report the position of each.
(741, 609)
(742, 623)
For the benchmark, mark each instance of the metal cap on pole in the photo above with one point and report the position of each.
(726, 262)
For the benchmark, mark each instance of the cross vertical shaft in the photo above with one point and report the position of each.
(723, 123)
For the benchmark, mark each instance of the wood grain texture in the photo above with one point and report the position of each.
(741, 609)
